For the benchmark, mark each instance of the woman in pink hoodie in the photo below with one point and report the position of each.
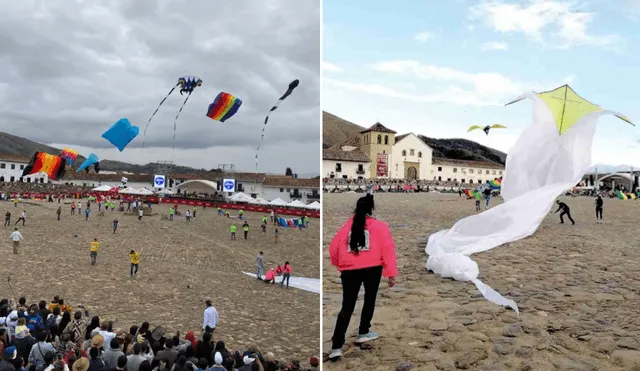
(363, 251)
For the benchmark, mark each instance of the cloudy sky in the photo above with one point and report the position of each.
(68, 72)
(437, 67)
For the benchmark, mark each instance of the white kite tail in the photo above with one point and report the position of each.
(541, 166)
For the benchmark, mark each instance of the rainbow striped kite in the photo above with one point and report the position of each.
(70, 155)
(223, 107)
(496, 183)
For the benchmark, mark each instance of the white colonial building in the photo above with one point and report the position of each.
(378, 153)
(410, 158)
(290, 188)
(346, 161)
(12, 166)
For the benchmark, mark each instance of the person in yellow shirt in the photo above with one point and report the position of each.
(233, 232)
(95, 246)
(135, 260)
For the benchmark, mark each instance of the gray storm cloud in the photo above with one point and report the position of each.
(69, 70)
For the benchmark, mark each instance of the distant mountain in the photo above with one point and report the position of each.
(336, 130)
(14, 145)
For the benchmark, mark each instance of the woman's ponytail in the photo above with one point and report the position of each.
(364, 208)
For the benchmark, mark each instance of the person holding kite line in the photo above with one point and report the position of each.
(565, 211)
(363, 251)
(599, 205)
(487, 196)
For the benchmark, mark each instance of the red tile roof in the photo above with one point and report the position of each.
(479, 164)
(379, 128)
(287, 181)
(15, 158)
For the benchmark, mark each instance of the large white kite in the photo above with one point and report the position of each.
(550, 157)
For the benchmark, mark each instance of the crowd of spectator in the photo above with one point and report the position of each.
(51, 337)
(46, 188)
(391, 185)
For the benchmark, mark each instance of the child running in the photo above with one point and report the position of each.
(135, 260)
(22, 217)
(95, 246)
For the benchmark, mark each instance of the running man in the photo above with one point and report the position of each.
(86, 214)
(565, 211)
(16, 237)
(259, 265)
(135, 260)
(487, 197)
(22, 217)
(233, 232)
(115, 225)
(599, 205)
(95, 246)
(7, 219)
(59, 212)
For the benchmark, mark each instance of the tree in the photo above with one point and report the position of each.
(288, 172)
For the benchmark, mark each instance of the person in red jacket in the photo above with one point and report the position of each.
(286, 273)
(270, 277)
(363, 251)
(278, 270)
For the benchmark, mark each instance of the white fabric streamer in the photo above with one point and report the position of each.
(541, 166)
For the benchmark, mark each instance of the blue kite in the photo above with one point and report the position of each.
(121, 134)
(91, 160)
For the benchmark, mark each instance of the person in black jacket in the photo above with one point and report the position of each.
(565, 211)
(599, 205)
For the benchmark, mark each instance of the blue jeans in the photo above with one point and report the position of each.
(285, 276)
(488, 199)
(259, 271)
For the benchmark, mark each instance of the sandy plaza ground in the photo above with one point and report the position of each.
(576, 287)
(181, 265)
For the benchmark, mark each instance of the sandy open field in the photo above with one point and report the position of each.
(182, 264)
(576, 286)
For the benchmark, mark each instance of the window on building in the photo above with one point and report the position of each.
(448, 179)
(386, 139)
(28, 180)
(480, 181)
(439, 168)
(379, 139)
(412, 152)
(345, 177)
(404, 152)
(3, 165)
(455, 179)
(13, 166)
(440, 178)
(240, 187)
(12, 179)
(288, 190)
(487, 171)
(470, 181)
(338, 167)
(462, 181)
(494, 172)
(21, 167)
(281, 190)
(500, 172)
(41, 180)
(470, 171)
(419, 154)
(360, 167)
(455, 169)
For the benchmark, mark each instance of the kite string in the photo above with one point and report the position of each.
(156, 111)
(175, 121)
(264, 126)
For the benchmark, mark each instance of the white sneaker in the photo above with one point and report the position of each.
(335, 354)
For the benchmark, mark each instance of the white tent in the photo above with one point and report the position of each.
(129, 191)
(260, 201)
(102, 188)
(278, 202)
(241, 197)
(145, 192)
(297, 203)
(315, 205)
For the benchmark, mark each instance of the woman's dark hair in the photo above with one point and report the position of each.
(66, 318)
(95, 322)
(229, 363)
(364, 208)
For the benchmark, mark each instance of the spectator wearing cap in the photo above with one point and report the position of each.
(217, 359)
(110, 356)
(9, 354)
(210, 317)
